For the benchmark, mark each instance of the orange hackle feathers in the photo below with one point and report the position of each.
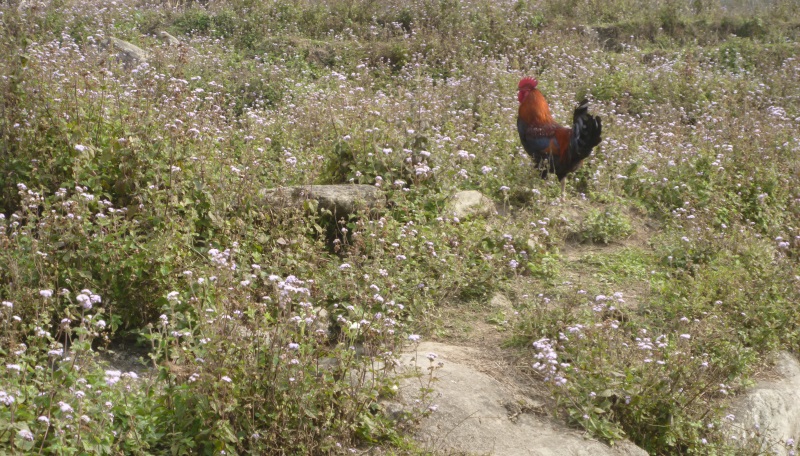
(533, 107)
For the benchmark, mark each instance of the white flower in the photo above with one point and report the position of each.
(43, 419)
(66, 408)
(6, 399)
(46, 293)
(15, 367)
(25, 434)
(80, 147)
(112, 377)
(225, 378)
(84, 301)
(414, 337)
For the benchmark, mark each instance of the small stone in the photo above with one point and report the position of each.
(129, 54)
(470, 202)
(168, 39)
(499, 300)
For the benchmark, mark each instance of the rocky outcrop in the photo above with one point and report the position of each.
(340, 200)
(477, 414)
(771, 409)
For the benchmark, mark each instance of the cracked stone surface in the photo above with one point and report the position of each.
(772, 407)
(477, 414)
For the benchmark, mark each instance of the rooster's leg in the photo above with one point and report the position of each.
(563, 187)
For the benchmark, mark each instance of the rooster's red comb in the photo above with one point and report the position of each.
(528, 83)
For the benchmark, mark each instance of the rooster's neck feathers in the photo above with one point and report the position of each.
(534, 109)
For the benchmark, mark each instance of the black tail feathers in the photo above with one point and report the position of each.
(586, 130)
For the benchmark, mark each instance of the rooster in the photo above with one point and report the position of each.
(554, 149)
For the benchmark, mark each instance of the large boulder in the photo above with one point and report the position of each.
(477, 414)
(771, 409)
(340, 200)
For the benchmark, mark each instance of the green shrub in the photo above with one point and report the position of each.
(605, 225)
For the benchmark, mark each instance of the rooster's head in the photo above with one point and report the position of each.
(525, 86)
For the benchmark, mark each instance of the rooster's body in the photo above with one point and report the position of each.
(554, 149)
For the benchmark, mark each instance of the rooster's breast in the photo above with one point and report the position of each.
(538, 141)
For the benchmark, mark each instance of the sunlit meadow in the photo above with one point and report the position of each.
(131, 221)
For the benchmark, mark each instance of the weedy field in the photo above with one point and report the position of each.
(130, 217)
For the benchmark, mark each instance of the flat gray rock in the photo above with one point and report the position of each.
(340, 200)
(772, 407)
(473, 413)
